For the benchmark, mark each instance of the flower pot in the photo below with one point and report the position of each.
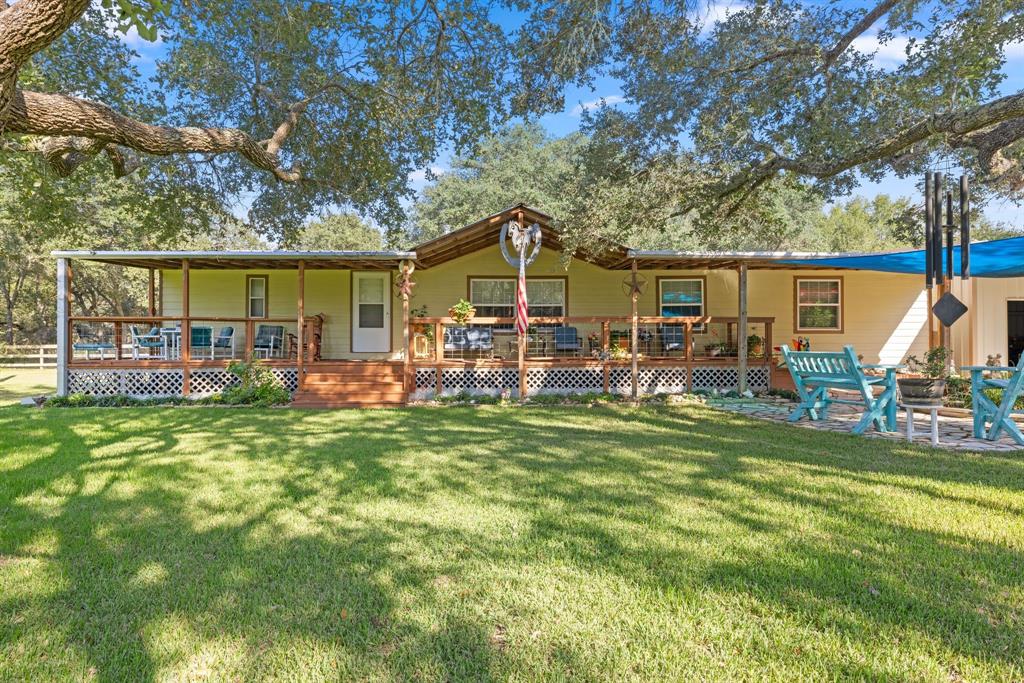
(461, 319)
(756, 350)
(923, 391)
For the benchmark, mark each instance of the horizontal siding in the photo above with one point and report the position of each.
(884, 314)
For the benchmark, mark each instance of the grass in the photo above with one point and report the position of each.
(18, 383)
(672, 543)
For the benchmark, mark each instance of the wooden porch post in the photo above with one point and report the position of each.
(152, 292)
(606, 336)
(688, 340)
(63, 325)
(768, 360)
(741, 332)
(634, 331)
(438, 357)
(407, 269)
(186, 329)
(300, 332)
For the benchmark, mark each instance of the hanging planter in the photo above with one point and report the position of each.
(462, 312)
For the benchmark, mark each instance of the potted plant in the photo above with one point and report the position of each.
(924, 382)
(714, 349)
(755, 345)
(462, 312)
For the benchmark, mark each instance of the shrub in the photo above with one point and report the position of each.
(257, 386)
(787, 394)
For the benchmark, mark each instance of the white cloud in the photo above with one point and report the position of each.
(609, 100)
(420, 176)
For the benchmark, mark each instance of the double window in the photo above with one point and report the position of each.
(819, 304)
(256, 293)
(496, 297)
(681, 297)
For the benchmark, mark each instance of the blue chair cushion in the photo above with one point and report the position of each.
(567, 339)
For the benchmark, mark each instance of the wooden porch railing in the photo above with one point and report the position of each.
(692, 326)
(185, 361)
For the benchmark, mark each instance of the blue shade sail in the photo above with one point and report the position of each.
(997, 258)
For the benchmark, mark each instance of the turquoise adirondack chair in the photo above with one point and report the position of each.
(815, 372)
(991, 419)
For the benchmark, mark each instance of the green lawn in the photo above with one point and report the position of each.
(16, 383)
(545, 543)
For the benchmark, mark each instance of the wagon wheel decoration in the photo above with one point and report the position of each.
(641, 285)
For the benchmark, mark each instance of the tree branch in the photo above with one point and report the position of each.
(976, 128)
(34, 113)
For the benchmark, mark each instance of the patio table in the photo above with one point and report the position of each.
(933, 410)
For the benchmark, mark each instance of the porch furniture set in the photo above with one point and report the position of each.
(815, 373)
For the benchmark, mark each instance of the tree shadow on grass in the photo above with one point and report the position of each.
(362, 544)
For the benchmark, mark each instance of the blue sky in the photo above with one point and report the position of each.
(887, 55)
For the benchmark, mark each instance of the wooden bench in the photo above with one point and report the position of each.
(816, 372)
(991, 419)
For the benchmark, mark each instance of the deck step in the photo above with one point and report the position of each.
(352, 385)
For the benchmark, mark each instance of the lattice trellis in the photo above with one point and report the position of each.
(757, 377)
(726, 378)
(714, 377)
(620, 380)
(207, 382)
(137, 383)
(479, 380)
(564, 380)
(671, 380)
(650, 380)
(426, 378)
(288, 377)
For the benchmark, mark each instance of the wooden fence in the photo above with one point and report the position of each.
(28, 356)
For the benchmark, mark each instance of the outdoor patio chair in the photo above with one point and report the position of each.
(567, 340)
(150, 341)
(991, 419)
(468, 339)
(673, 338)
(269, 341)
(225, 342)
(90, 342)
(201, 341)
(816, 372)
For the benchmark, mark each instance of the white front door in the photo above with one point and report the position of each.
(371, 312)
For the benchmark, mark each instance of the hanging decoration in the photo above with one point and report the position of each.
(640, 287)
(522, 239)
(939, 247)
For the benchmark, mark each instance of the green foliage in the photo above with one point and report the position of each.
(934, 366)
(336, 232)
(520, 163)
(256, 386)
(462, 311)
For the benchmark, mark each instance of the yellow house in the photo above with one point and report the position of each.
(376, 327)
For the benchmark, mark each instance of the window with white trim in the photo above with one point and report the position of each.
(819, 304)
(681, 298)
(257, 295)
(496, 297)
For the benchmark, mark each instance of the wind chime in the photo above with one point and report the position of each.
(938, 237)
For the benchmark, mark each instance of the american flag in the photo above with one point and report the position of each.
(521, 305)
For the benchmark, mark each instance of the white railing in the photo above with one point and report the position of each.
(28, 356)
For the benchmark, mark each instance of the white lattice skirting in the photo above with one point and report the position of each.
(651, 380)
(137, 383)
(143, 383)
(725, 378)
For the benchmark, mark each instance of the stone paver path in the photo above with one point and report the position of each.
(954, 432)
